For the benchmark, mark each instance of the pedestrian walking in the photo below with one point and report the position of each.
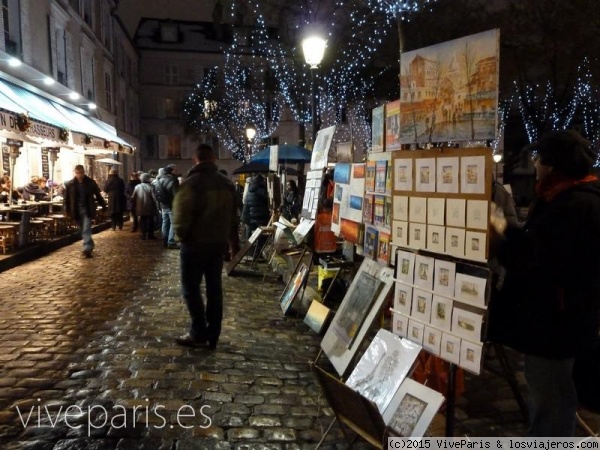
(205, 219)
(145, 205)
(114, 187)
(165, 187)
(549, 304)
(81, 195)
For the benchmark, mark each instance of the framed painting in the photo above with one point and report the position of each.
(412, 409)
(450, 348)
(477, 214)
(403, 174)
(424, 272)
(475, 245)
(417, 236)
(292, 289)
(400, 233)
(415, 331)
(403, 298)
(400, 203)
(471, 290)
(436, 238)
(377, 127)
(444, 277)
(472, 175)
(455, 212)
(441, 313)
(455, 242)
(360, 307)
(417, 209)
(317, 316)
(320, 152)
(425, 175)
(447, 175)
(432, 340)
(466, 324)
(421, 306)
(399, 324)
(435, 211)
(405, 266)
(470, 356)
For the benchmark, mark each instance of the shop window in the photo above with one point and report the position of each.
(108, 91)
(12, 27)
(171, 74)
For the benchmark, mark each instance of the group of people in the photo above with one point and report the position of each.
(38, 189)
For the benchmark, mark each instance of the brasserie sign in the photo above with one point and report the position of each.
(8, 121)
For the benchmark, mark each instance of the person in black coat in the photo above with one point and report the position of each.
(114, 187)
(134, 180)
(256, 205)
(291, 202)
(549, 304)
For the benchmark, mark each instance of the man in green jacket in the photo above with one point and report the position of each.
(205, 219)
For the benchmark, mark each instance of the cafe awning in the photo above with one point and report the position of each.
(51, 118)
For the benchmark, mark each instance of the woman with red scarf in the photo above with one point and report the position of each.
(549, 305)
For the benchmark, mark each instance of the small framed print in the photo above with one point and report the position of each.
(424, 272)
(470, 356)
(455, 212)
(400, 233)
(403, 298)
(471, 290)
(436, 238)
(466, 324)
(444, 275)
(403, 174)
(412, 409)
(447, 175)
(400, 203)
(432, 340)
(417, 235)
(475, 245)
(455, 242)
(472, 175)
(425, 175)
(421, 305)
(436, 211)
(405, 266)
(477, 214)
(400, 325)
(415, 331)
(450, 348)
(441, 313)
(417, 210)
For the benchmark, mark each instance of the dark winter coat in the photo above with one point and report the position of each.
(129, 192)
(33, 192)
(549, 304)
(291, 205)
(205, 207)
(114, 187)
(256, 207)
(92, 195)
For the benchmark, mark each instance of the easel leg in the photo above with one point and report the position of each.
(450, 400)
(326, 433)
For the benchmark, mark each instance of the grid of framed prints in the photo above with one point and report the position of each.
(377, 210)
(441, 201)
(311, 194)
(441, 304)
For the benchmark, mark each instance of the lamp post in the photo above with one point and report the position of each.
(497, 157)
(13, 154)
(313, 48)
(250, 133)
(53, 153)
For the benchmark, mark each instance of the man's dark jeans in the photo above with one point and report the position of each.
(197, 261)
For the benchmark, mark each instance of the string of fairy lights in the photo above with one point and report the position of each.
(263, 75)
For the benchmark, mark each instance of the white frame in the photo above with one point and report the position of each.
(399, 324)
(408, 291)
(436, 211)
(461, 316)
(400, 227)
(404, 183)
(431, 398)
(457, 250)
(320, 152)
(424, 272)
(425, 166)
(455, 212)
(470, 356)
(439, 277)
(472, 174)
(440, 245)
(461, 290)
(445, 323)
(400, 208)
(414, 230)
(477, 214)
(472, 251)
(417, 210)
(432, 339)
(447, 341)
(450, 167)
(415, 331)
(421, 299)
(406, 277)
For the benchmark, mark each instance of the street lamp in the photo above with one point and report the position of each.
(497, 157)
(14, 153)
(53, 153)
(313, 48)
(250, 133)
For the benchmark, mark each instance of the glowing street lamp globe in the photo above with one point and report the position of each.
(313, 48)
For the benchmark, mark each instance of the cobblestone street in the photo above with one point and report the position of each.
(88, 361)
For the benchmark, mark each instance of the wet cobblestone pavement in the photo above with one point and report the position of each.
(88, 361)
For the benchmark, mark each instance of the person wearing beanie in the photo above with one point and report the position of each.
(165, 187)
(145, 205)
(549, 304)
(114, 187)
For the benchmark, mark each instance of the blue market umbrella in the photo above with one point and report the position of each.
(286, 153)
(259, 167)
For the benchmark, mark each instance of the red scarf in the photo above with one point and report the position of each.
(555, 183)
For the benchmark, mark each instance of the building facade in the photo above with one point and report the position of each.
(68, 72)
